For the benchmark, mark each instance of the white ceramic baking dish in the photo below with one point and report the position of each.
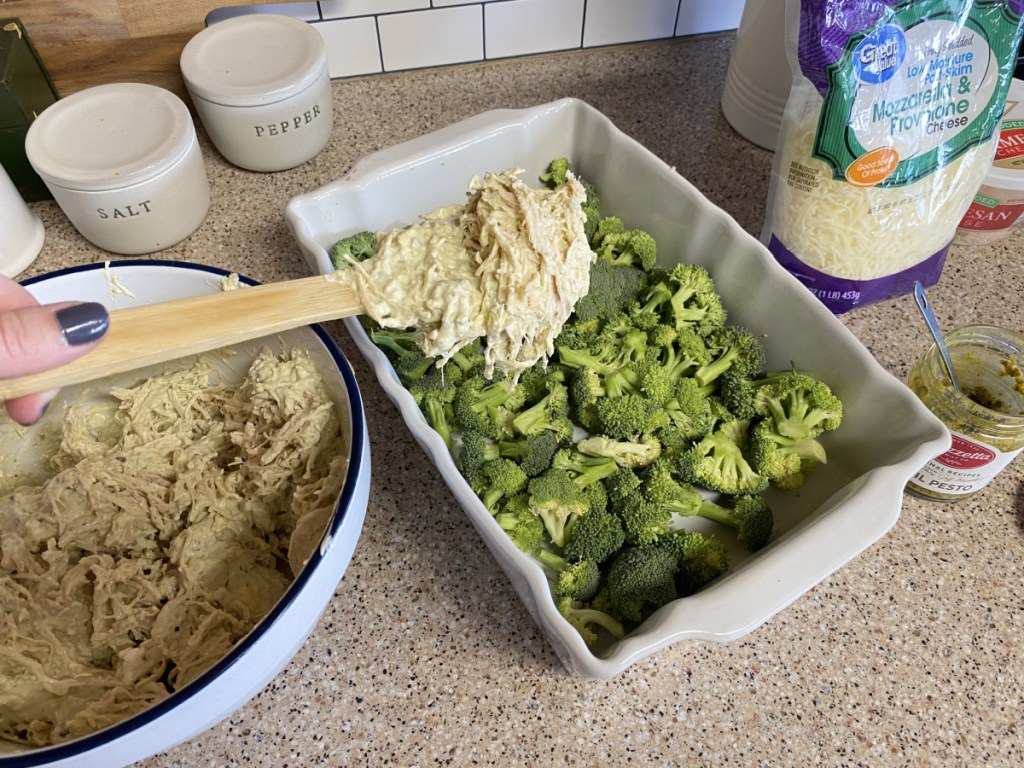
(846, 506)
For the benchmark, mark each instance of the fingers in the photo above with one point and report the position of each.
(36, 338)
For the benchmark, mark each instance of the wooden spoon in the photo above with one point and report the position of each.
(156, 333)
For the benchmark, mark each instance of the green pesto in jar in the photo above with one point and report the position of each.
(986, 418)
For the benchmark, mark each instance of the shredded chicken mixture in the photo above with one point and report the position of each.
(507, 266)
(175, 518)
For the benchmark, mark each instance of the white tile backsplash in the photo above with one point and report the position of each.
(352, 46)
(699, 16)
(511, 28)
(343, 9)
(373, 36)
(433, 38)
(614, 21)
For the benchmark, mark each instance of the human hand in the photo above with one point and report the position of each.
(35, 338)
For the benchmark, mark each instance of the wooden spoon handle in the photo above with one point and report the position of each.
(156, 333)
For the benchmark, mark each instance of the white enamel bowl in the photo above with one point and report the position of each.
(887, 434)
(258, 657)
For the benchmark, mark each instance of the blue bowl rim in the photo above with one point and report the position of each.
(84, 744)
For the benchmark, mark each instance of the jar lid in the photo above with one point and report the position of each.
(1007, 170)
(109, 136)
(258, 58)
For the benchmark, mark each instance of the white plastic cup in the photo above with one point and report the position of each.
(21, 231)
(260, 85)
(123, 162)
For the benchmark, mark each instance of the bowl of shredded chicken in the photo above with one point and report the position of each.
(169, 537)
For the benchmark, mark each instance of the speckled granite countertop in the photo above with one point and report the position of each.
(911, 655)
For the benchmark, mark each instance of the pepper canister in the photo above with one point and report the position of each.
(123, 162)
(261, 88)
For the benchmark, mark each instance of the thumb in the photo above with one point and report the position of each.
(35, 338)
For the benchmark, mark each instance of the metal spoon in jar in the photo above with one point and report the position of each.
(933, 325)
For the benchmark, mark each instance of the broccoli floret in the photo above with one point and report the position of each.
(735, 348)
(689, 353)
(522, 526)
(628, 416)
(597, 499)
(550, 413)
(556, 173)
(702, 558)
(661, 487)
(609, 225)
(581, 468)
(586, 388)
(438, 412)
(612, 289)
(476, 405)
(800, 405)
(475, 450)
(627, 453)
(749, 516)
(632, 247)
(643, 520)
(610, 364)
(620, 484)
(434, 398)
(689, 409)
(533, 452)
(537, 380)
(402, 347)
(717, 461)
(591, 209)
(558, 501)
(354, 248)
(577, 580)
(467, 361)
(784, 461)
(640, 579)
(500, 478)
(595, 537)
(662, 336)
(584, 619)
(695, 302)
(738, 390)
(685, 297)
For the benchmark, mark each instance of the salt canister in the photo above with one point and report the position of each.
(260, 85)
(123, 162)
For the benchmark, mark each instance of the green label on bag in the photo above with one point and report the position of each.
(916, 91)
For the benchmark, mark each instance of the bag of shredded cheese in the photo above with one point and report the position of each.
(886, 137)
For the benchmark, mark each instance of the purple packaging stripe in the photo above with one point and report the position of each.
(826, 26)
(841, 294)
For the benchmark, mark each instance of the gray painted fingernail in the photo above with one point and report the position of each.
(83, 323)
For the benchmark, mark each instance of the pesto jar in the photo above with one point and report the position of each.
(986, 418)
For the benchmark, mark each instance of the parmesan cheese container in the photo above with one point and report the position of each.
(999, 204)
(260, 85)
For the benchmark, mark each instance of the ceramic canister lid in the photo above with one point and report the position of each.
(253, 59)
(109, 137)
